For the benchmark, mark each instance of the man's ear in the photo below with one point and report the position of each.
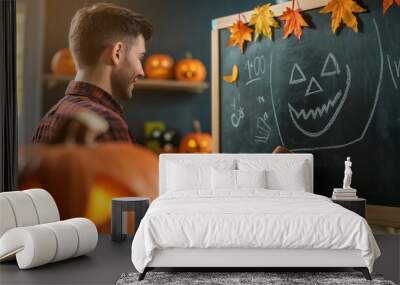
(116, 52)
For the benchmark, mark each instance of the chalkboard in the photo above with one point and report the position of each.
(330, 95)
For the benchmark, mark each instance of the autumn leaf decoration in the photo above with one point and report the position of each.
(342, 11)
(294, 22)
(388, 3)
(240, 33)
(231, 78)
(263, 21)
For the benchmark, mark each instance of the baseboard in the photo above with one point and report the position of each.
(383, 216)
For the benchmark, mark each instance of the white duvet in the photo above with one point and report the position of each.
(250, 218)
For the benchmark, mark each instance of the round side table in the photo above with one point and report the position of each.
(120, 208)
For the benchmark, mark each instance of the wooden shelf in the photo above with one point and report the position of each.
(53, 80)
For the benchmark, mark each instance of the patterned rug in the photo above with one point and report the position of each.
(243, 278)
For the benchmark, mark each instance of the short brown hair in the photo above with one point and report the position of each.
(95, 27)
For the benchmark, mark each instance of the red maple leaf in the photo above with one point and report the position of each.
(388, 3)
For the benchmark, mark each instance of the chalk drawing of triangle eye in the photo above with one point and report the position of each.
(297, 75)
(331, 66)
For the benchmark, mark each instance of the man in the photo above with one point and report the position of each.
(107, 43)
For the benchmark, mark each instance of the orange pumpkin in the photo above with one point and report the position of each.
(159, 66)
(281, 149)
(62, 63)
(196, 142)
(84, 178)
(190, 69)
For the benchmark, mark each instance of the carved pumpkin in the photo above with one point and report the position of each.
(62, 63)
(190, 69)
(196, 142)
(84, 178)
(159, 66)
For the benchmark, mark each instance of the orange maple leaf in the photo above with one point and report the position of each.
(240, 33)
(294, 22)
(231, 78)
(342, 10)
(388, 3)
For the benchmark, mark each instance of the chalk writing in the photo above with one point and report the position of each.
(237, 117)
(263, 130)
(260, 99)
(255, 68)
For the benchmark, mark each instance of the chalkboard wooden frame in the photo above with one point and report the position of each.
(225, 22)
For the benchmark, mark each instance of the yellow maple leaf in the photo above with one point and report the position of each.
(263, 21)
(240, 33)
(231, 78)
(342, 10)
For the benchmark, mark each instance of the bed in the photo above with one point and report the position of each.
(246, 211)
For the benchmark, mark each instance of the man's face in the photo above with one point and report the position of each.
(128, 69)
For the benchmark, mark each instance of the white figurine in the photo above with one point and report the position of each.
(347, 174)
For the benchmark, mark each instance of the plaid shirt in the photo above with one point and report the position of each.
(80, 96)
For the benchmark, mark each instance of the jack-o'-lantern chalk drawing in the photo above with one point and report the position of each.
(313, 101)
(394, 70)
(330, 68)
(297, 75)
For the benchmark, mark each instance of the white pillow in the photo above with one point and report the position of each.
(223, 179)
(293, 179)
(181, 177)
(199, 160)
(251, 178)
(281, 174)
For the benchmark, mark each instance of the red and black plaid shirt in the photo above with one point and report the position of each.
(84, 96)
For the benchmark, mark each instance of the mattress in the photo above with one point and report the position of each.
(251, 219)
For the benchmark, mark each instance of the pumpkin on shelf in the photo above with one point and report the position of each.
(83, 176)
(62, 63)
(196, 142)
(190, 69)
(159, 66)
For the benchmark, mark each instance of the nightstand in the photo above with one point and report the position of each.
(356, 205)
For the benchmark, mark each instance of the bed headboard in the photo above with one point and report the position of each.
(210, 159)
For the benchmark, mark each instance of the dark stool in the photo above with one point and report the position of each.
(120, 207)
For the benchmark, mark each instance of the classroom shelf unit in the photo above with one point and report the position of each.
(52, 80)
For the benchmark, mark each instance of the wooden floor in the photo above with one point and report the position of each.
(110, 260)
